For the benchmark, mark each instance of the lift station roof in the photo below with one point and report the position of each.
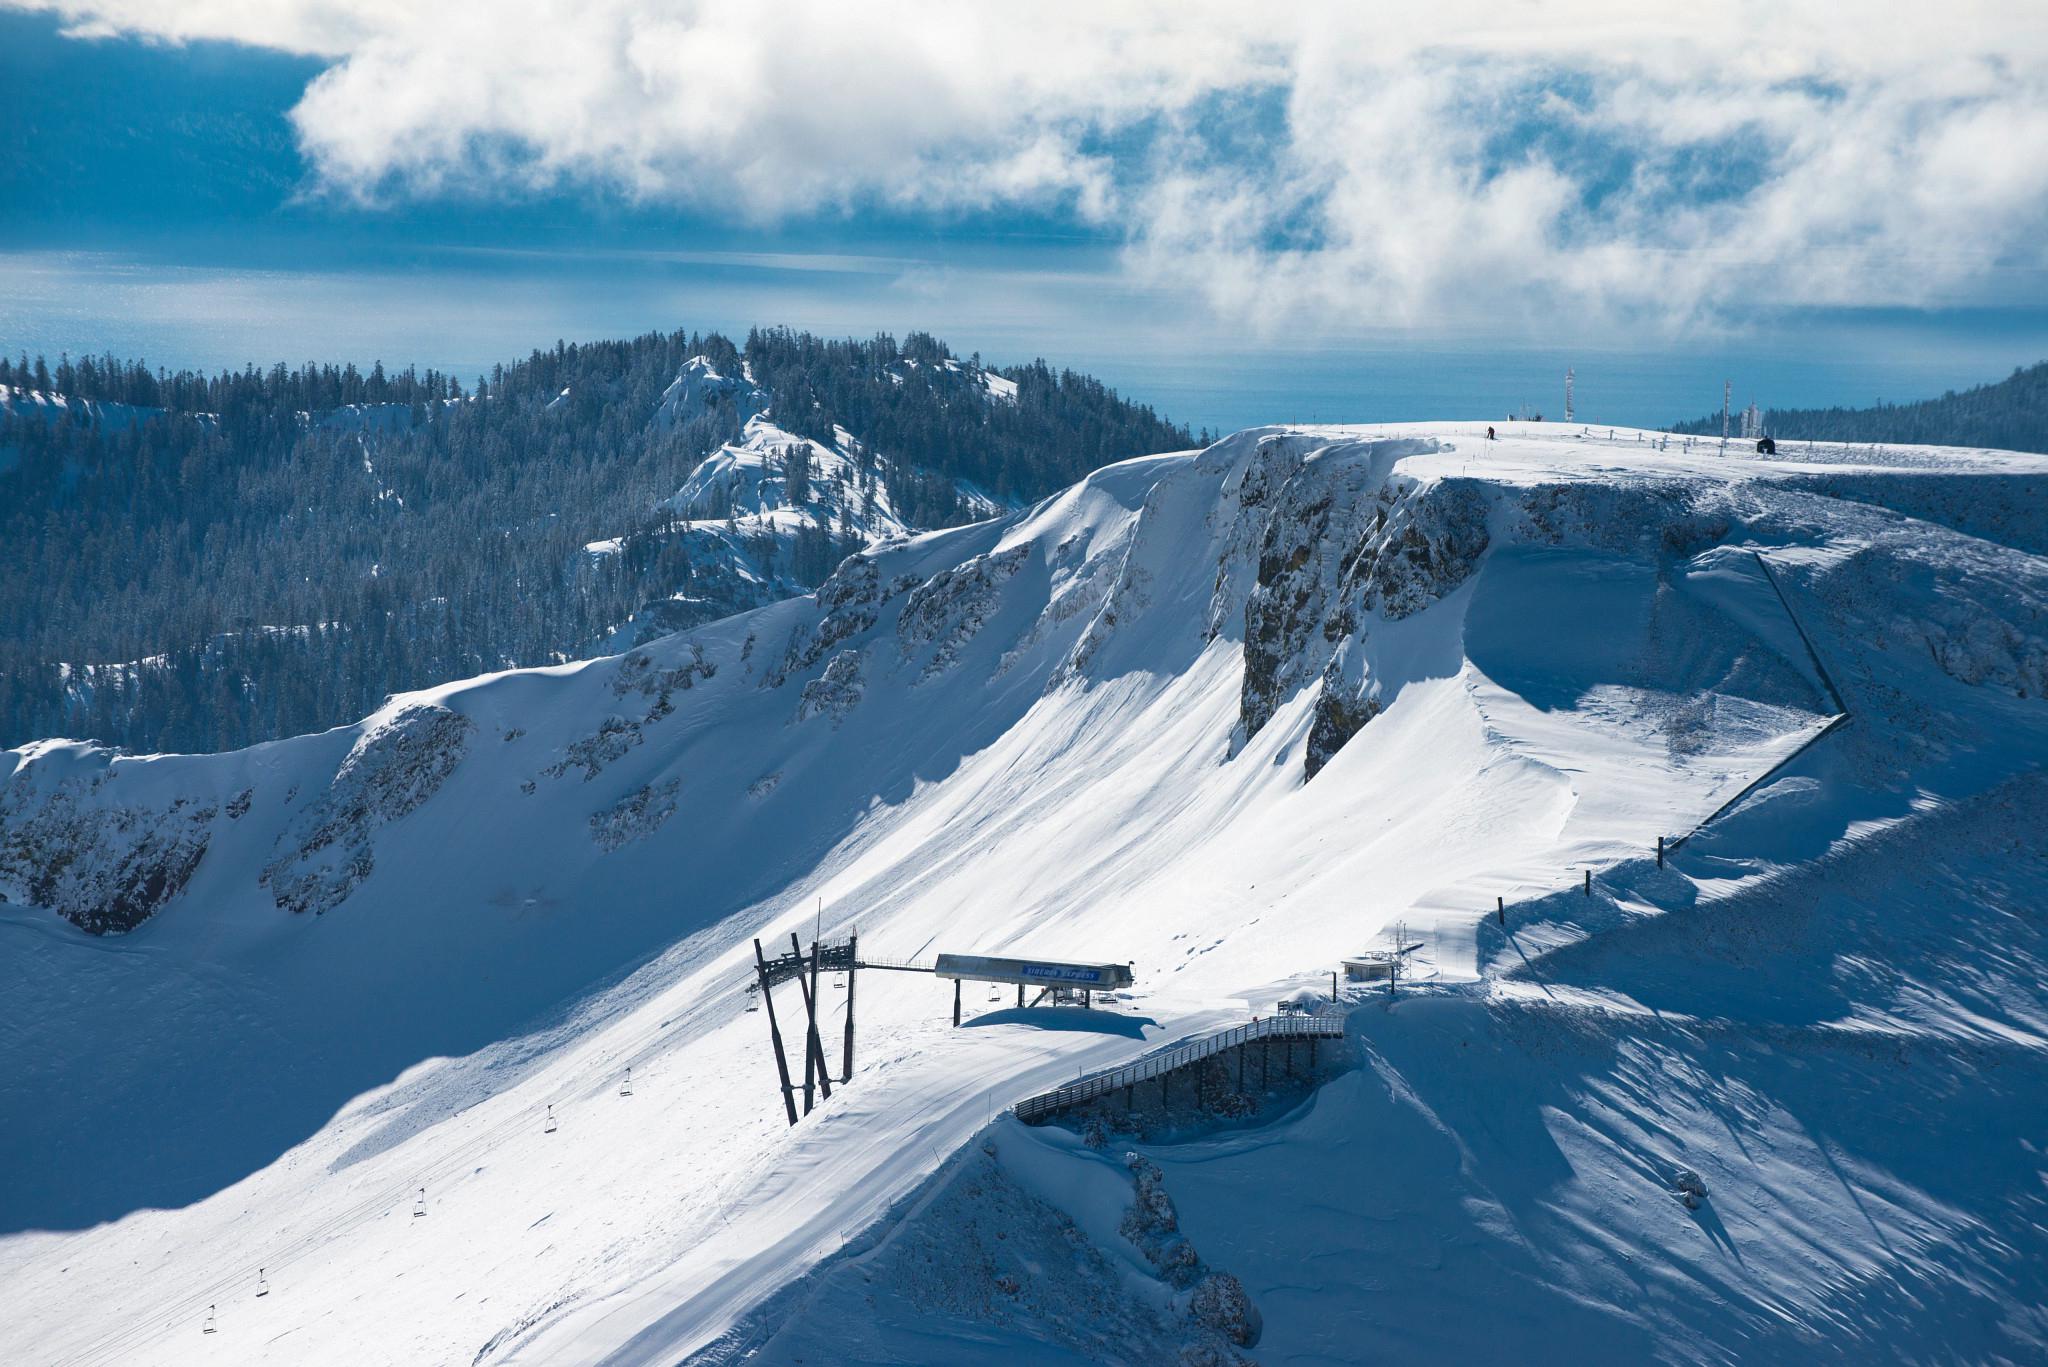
(1033, 972)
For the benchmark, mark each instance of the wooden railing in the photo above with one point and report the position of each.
(1290, 1025)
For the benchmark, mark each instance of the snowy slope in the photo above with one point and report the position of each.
(1223, 714)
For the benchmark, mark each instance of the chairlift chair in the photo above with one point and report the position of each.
(551, 1119)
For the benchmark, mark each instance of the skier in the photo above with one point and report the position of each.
(1489, 434)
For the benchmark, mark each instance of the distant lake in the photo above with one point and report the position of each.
(462, 310)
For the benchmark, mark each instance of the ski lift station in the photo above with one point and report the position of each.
(1370, 967)
(1057, 982)
(1382, 965)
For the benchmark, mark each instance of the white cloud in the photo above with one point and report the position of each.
(1315, 163)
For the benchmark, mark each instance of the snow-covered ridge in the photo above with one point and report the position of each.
(16, 402)
(374, 418)
(1220, 713)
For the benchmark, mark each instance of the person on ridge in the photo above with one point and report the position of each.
(1489, 434)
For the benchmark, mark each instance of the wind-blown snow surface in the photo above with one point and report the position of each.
(1223, 714)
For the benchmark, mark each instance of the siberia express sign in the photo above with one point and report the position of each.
(1033, 972)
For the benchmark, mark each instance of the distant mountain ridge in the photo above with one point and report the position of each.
(2009, 415)
(194, 562)
(768, 514)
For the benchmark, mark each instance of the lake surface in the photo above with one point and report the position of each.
(461, 310)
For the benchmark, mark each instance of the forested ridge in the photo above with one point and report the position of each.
(2010, 415)
(196, 562)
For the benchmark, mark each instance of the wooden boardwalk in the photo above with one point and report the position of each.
(1286, 1027)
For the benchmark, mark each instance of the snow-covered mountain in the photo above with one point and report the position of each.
(766, 516)
(1225, 714)
(307, 558)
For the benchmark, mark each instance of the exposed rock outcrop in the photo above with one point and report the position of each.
(949, 609)
(635, 817)
(834, 693)
(699, 389)
(398, 763)
(637, 673)
(1341, 713)
(849, 602)
(1216, 1301)
(595, 752)
(101, 864)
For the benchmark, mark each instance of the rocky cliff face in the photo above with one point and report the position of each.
(949, 609)
(397, 765)
(1342, 544)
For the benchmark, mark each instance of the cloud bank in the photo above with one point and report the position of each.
(1302, 165)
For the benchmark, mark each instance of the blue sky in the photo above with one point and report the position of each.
(1227, 221)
